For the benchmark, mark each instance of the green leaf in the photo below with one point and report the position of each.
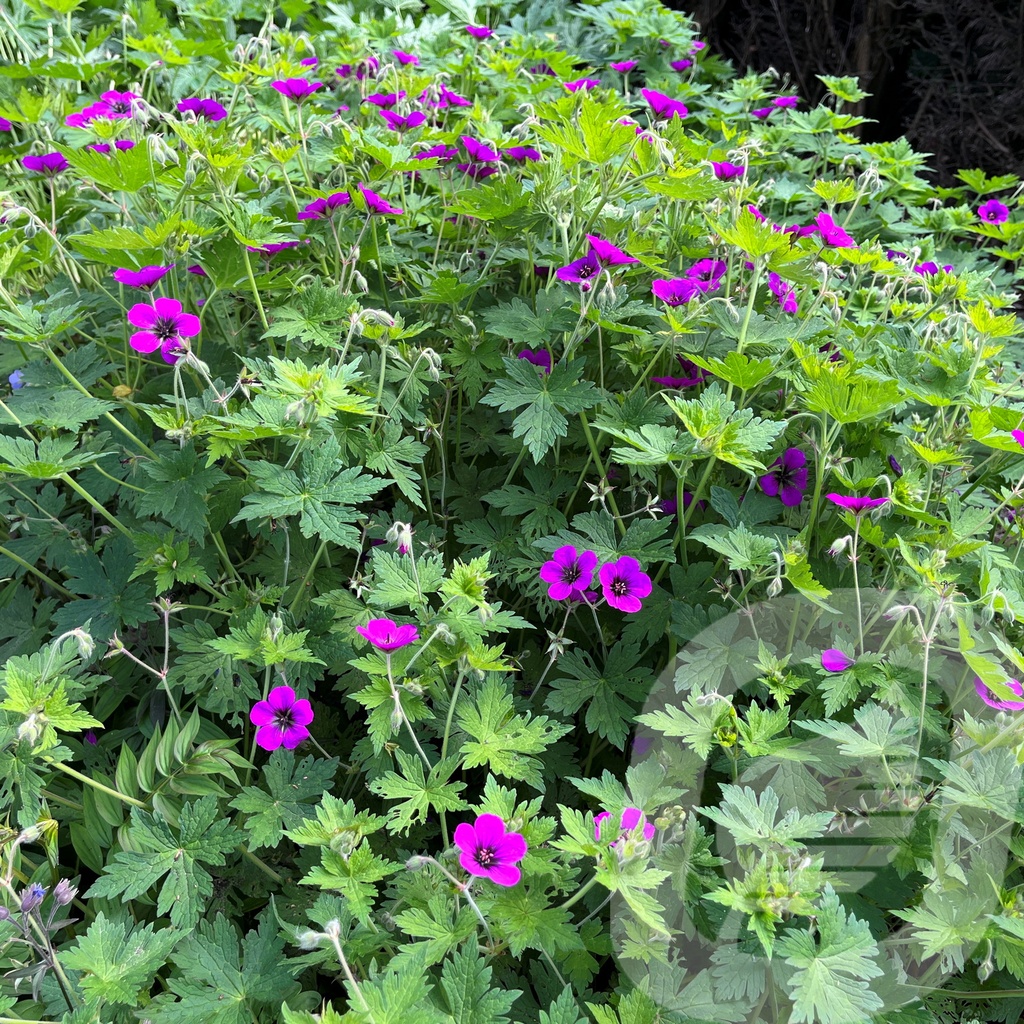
(178, 489)
(849, 398)
(437, 929)
(833, 967)
(216, 984)
(547, 397)
(390, 455)
(517, 322)
(418, 792)
(118, 961)
(743, 549)
(752, 819)
(51, 458)
(323, 496)
(315, 314)
(611, 692)
(564, 1010)
(528, 921)
(737, 369)
(469, 992)
(200, 838)
(293, 787)
(877, 735)
(505, 741)
(754, 237)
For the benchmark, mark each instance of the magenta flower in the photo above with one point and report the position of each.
(104, 147)
(726, 171)
(1018, 436)
(680, 65)
(521, 154)
(488, 851)
(707, 274)
(399, 123)
(783, 292)
(607, 254)
(756, 214)
(387, 635)
(309, 62)
(296, 89)
(145, 277)
(993, 702)
(281, 720)
(624, 583)
(5, 125)
(696, 46)
(449, 98)
(385, 99)
(834, 660)
(324, 207)
(210, 110)
(631, 818)
(831, 233)
(440, 152)
(375, 204)
(857, 505)
(197, 270)
(930, 268)
(993, 212)
(568, 573)
(480, 31)
(694, 375)
(273, 247)
(786, 101)
(786, 478)
(164, 327)
(581, 271)
(48, 164)
(119, 103)
(477, 171)
(675, 291)
(479, 151)
(664, 107)
(762, 112)
(623, 66)
(541, 358)
(585, 84)
(405, 58)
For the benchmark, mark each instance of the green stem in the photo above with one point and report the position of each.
(18, 560)
(68, 770)
(600, 468)
(83, 493)
(579, 894)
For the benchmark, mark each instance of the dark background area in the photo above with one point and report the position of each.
(948, 74)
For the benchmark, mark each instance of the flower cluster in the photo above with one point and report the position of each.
(569, 575)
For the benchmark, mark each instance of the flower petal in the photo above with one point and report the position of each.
(281, 698)
(504, 874)
(490, 830)
(269, 738)
(262, 713)
(465, 837)
(144, 341)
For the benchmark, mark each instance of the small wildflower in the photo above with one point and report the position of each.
(856, 505)
(782, 291)
(726, 171)
(376, 204)
(1003, 705)
(631, 818)
(487, 850)
(387, 635)
(786, 102)
(624, 583)
(993, 212)
(623, 66)
(398, 123)
(281, 719)
(786, 479)
(324, 207)
(405, 58)
(542, 358)
(144, 277)
(480, 31)
(521, 154)
(31, 896)
(675, 291)
(607, 254)
(580, 271)
(209, 110)
(479, 152)
(584, 84)
(707, 274)
(831, 233)
(761, 113)
(835, 660)
(48, 164)
(296, 89)
(680, 65)
(568, 573)
(664, 107)
(164, 326)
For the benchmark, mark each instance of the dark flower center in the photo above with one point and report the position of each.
(165, 328)
(120, 107)
(586, 270)
(784, 475)
(619, 586)
(486, 857)
(571, 573)
(283, 719)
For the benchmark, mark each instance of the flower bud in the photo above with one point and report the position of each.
(64, 892)
(308, 939)
(32, 897)
(333, 928)
(85, 643)
(415, 862)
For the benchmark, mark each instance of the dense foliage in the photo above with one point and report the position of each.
(504, 519)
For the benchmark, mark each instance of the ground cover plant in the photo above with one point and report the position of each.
(505, 518)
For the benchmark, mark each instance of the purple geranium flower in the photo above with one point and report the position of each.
(104, 147)
(376, 204)
(5, 125)
(786, 478)
(541, 358)
(197, 270)
(696, 46)
(993, 212)
(145, 277)
(296, 89)
(405, 58)
(324, 207)
(309, 62)
(895, 466)
(568, 572)
(164, 327)
(993, 702)
(488, 851)
(786, 101)
(761, 113)
(480, 31)
(726, 171)
(48, 164)
(694, 375)
(521, 154)
(624, 66)
(386, 635)
(582, 83)
(675, 291)
(1018, 436)
(631, 818)
(624, 583)
(273, 247)
(385, 99)
(580, 271)
(831, 233)
(607, 254)
(402, 124)
(834, 660)
(119, 103)
(783, 292)
(681, 65)
(477, 171)
(281, 719)
(857, 505)
(931, 267)
(662, 106)
(479, 151)
(707, 274)
(440, 152)
(211, 110)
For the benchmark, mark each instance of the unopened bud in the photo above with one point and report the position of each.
(415, 862)
(85, 643)
(775, 587)
(64, 892)
(32, 897)
(308, 939)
